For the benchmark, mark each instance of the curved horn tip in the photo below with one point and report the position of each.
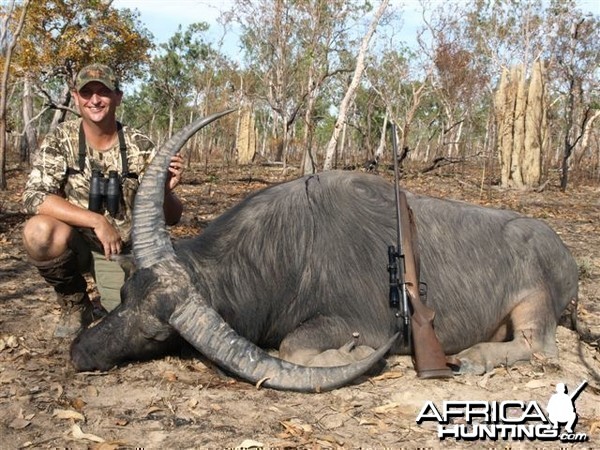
(206, 330)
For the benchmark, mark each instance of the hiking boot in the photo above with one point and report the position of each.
(77, 311)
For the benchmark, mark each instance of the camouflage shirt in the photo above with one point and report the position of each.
(56, 171)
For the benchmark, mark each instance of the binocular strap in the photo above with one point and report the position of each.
(122, 148)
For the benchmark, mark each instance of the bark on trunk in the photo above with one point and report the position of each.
(29, 133)
(349, 97)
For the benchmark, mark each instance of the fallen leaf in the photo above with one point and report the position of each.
(19, 423)
(295, 428)
(536, 384)
(8, 342)
(368, 422)
(170, 376)
(152, 410)
(58, 388)
(79, 434)
(78, 403)
(68, 414)
(385, 408)
(327, 440)
(483, 381)
(12, 341)
(391, 375)
(108, 445)
(249, 443)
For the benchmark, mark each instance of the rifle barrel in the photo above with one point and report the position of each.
(397, 194)
(402, 270)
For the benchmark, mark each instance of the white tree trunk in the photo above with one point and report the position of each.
(349, 97)
(382, 140)
(7, 54)
(29, 131)
(59, 114)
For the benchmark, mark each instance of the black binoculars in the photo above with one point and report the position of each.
(105, 192)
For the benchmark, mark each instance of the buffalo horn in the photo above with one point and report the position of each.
(202, 327)
(151, 241)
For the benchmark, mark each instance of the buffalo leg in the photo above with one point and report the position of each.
(533, 329)
(323, 342)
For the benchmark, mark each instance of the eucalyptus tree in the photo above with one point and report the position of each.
(60, 37)
(172, 73)
(357, 76)
(401, 79)
(326, 32)
(512, 42)
(294, 46)
(518, 37)
(269, 38)
(459, 77)
(187, 76)
(574, 74)
(8, 42)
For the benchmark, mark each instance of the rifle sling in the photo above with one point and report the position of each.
(122, 149)
(435, 363)
(411, 259)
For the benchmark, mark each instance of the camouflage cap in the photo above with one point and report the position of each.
(97, 72)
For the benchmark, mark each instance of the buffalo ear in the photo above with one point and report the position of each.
(156, 330)
(127, 263)
(164, 334)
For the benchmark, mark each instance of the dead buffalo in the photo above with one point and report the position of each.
(302, 266)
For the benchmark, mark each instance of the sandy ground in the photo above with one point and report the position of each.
(182, 402)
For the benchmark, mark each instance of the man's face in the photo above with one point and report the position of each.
(97, 103)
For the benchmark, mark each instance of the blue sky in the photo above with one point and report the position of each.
(162, 18)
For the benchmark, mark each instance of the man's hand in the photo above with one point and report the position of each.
(75, 216)
(175, 172)
(108, 236)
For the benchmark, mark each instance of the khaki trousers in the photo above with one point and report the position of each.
(109, 277)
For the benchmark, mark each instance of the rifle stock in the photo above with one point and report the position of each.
(428, 356)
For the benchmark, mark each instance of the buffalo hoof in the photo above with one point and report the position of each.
(473, 361)
(470, 367)
(349, 353)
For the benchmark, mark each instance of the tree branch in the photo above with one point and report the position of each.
(51, 104)
(442, 161)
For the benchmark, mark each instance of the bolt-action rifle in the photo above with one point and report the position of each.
(414, 317)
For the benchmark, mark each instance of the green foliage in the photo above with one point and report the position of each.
(61, 36)
(296, 59)
(185, 78)
(305, 53)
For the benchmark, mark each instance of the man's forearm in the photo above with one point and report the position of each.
(173, 208)
(66, 212)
